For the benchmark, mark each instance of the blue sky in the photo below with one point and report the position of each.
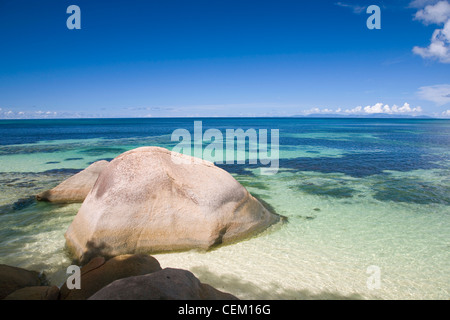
(223, 58)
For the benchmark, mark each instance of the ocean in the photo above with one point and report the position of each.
(367, 203)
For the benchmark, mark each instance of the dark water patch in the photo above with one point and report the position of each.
(254, 184)
(411, 190)
(240, 169)
(52, 162)
(23, 203)
(102, 150)
(358, 164)
(63, 171)
(18, 205)
(328, 189)
(303, 218)
(348, 145)
(23, 184)
(73, 159)
(364, 164)
(8, 150)
(315, 152)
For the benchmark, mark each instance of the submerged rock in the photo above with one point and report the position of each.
(167, 284)
(98, 273)
(153, 200)
(76, 188)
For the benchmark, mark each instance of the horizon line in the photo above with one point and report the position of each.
(424, 117)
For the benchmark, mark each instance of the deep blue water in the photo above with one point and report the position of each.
(369, 146)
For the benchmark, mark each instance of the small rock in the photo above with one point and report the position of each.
(13, 278)
(167, 284)
(98, 273)
(35, 293)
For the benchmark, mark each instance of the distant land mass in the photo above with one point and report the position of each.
(374, 116)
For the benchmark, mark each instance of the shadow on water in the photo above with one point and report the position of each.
(18, 205)
(245, 289)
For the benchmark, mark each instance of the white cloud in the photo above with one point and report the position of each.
(377, 108)
(354, 110)
(380, 108)
(12, 114)
(355, 8)
(439, 48)
(439, 94)
(446, 113)
(436, 13)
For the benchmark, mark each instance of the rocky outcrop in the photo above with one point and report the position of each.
(35, 293)
(167, 284)
(98, 273)
(13, 278)
(76, 188)
(127, 277)
(153, 200)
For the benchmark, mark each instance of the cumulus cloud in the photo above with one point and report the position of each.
(385, 108)
(439, 94)
(439, 47)
(436, 13)
(446, 113)
(378, 108)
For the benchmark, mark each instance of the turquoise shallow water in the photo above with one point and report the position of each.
(357, 193)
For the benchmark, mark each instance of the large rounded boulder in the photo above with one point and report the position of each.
(151, 200)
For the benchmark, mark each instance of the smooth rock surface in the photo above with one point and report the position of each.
(98, 273)
(35, 293)
(167, 284)
(13, 278)
(76, 188)
(153, 200)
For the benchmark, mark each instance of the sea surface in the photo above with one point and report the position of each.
(367, 203)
